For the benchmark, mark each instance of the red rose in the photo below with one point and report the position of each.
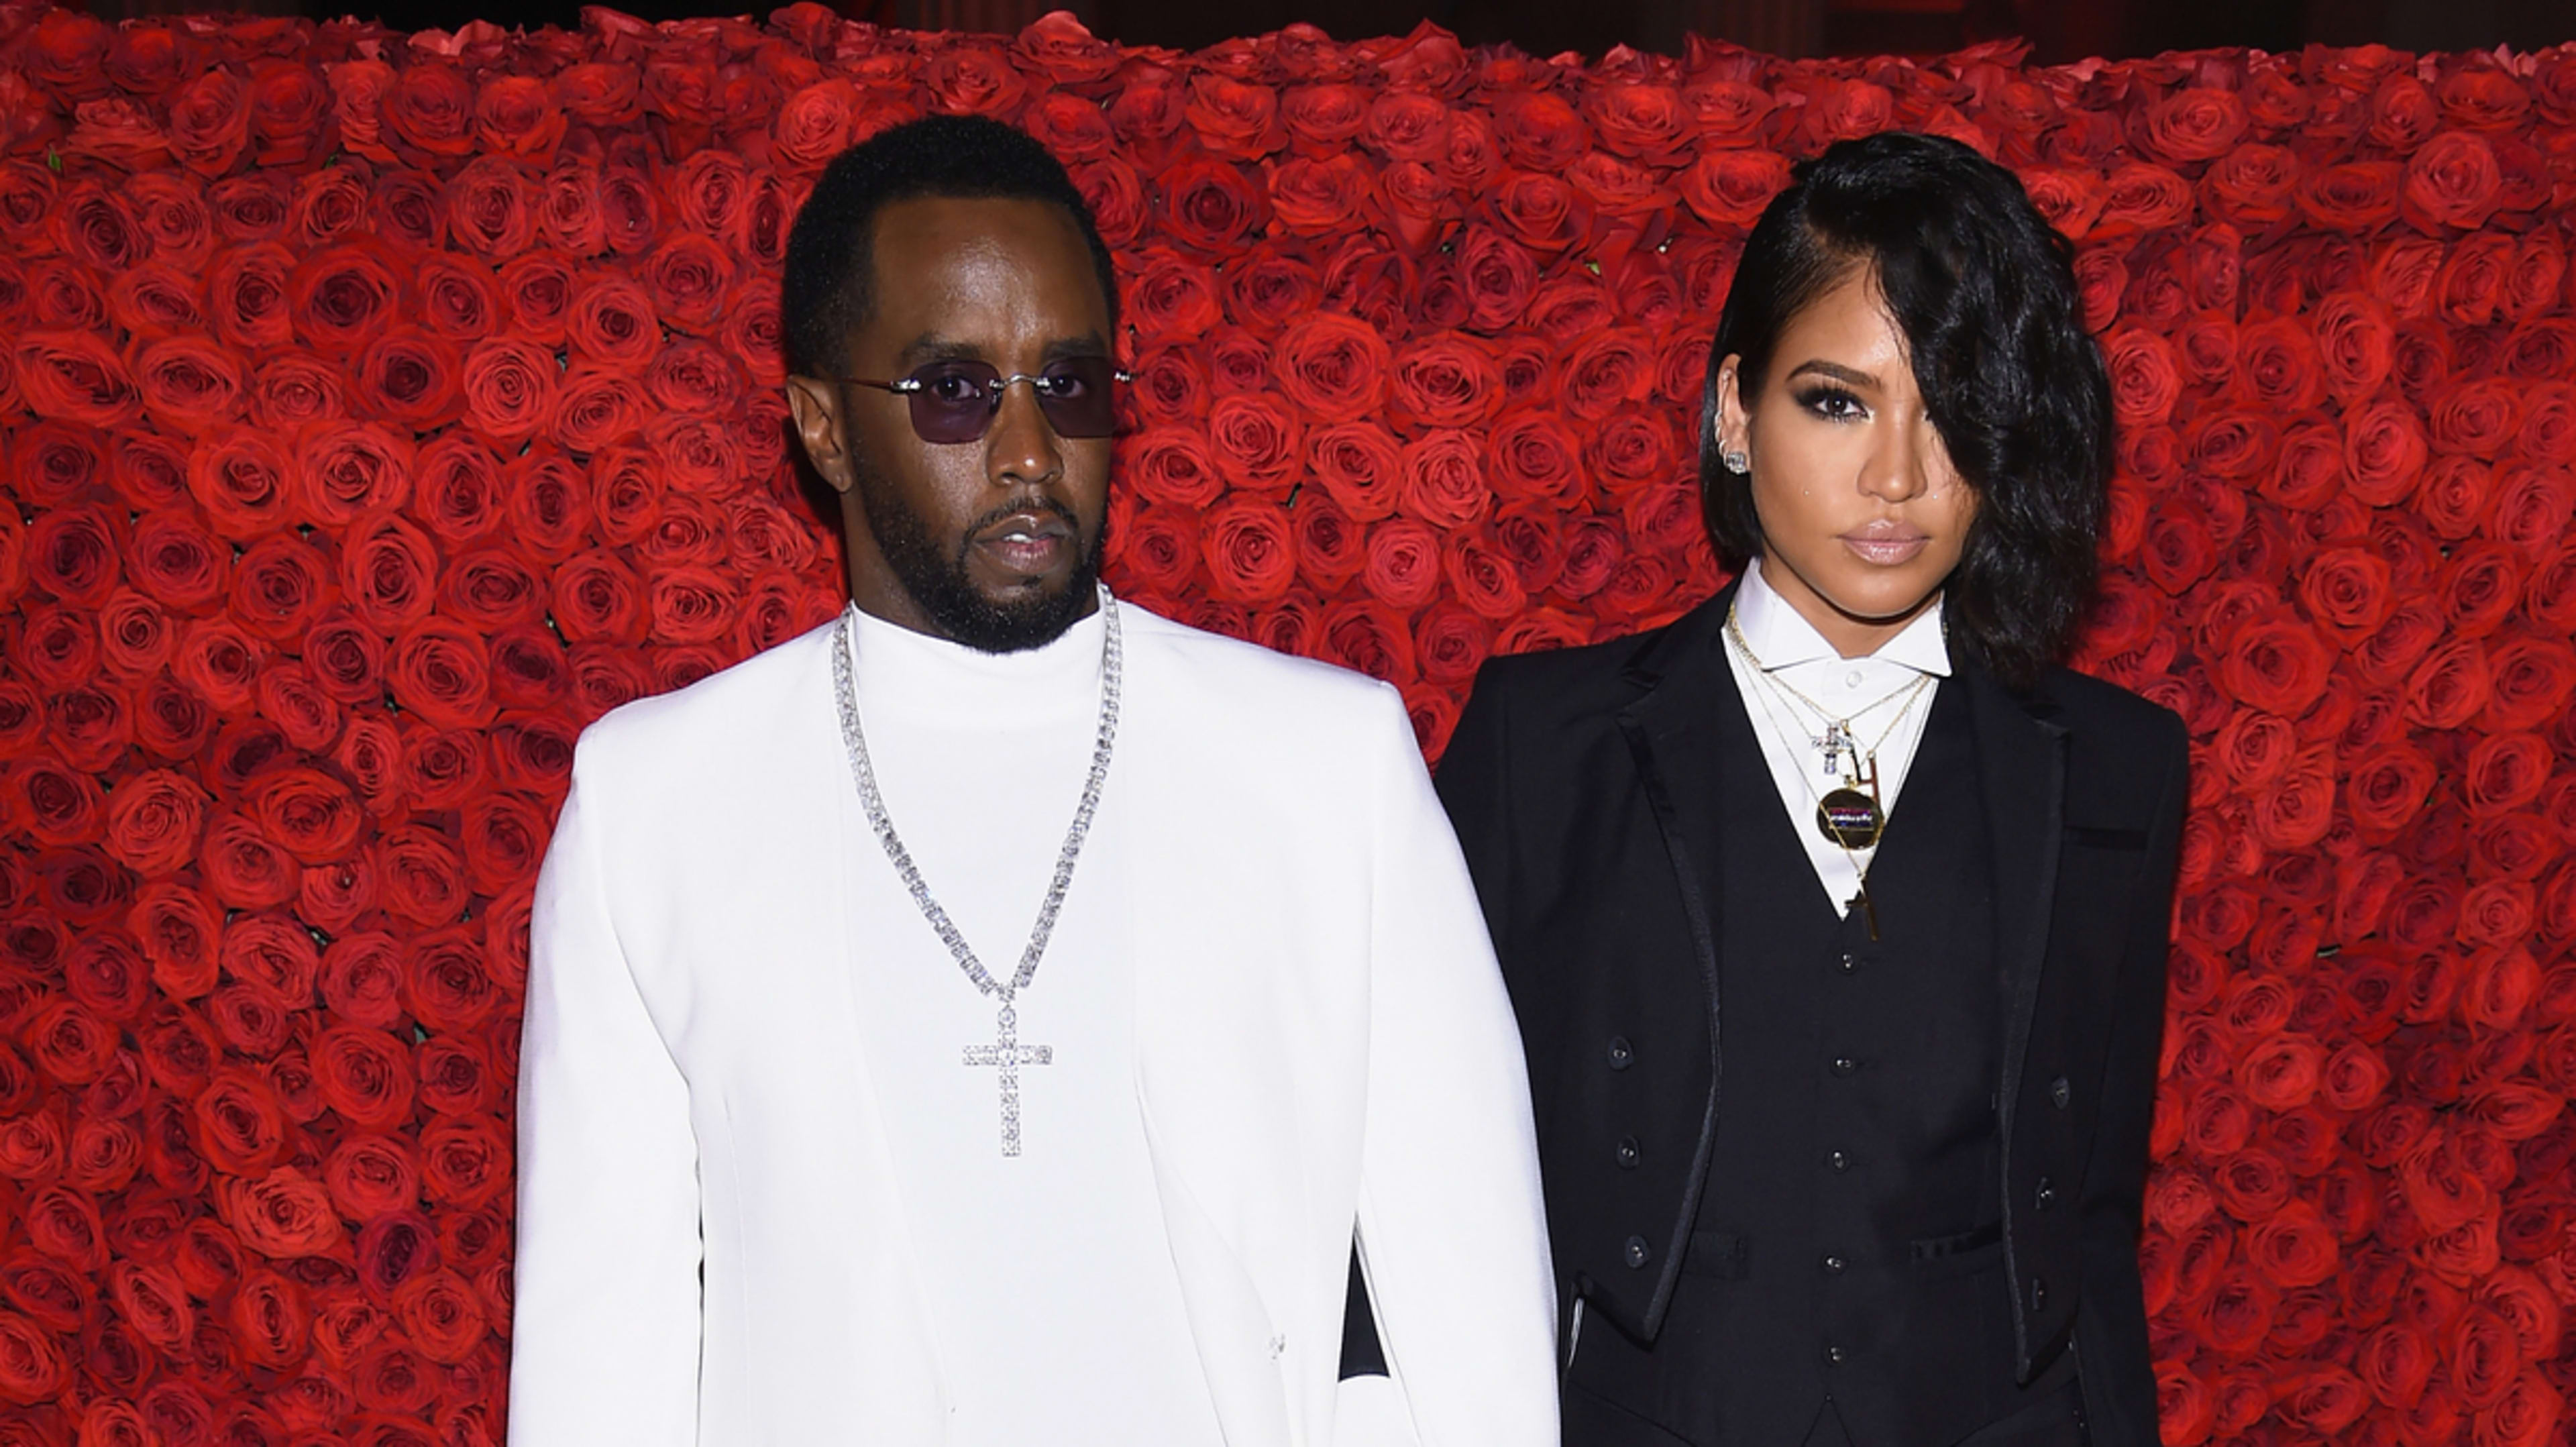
(465, 1163)
(283, 1215)
(153, 820)
(1250, 555)
(388, 571)
(440, 768)
(1532, 456)
(1730, 188)
(1313, 197)
(1117, 197)
(1607, 371)
(1482, 575)
(442, 1315)
(270, 1321)
(409, 375)
(813, 125)
(688, 277)
(421, 878)
(75, 376)
(456, 1077)
(2452, 180)
(239, 1126)
(1362, 635)
(360, 979)
(2254, 186)
(364, 1076)
(373, 1178)
(1403, 566)
(1443, 480)
(595, 408)
(1210, 205)
(2356, 197)
(516, 115)
(32, 1368)
(972, 79)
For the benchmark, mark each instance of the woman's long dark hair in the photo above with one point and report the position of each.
(1984, 291)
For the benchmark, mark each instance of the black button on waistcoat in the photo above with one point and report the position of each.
(2046, 1195)
(2059, 1092)
(1622, 1055)
(1628, 1152)
(1639, 1253)
(1845, 1065)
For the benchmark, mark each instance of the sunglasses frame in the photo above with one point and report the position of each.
(911, 388)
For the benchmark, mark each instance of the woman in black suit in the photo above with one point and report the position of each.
(1835, 912)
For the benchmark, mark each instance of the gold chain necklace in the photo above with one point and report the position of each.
(1847, 817)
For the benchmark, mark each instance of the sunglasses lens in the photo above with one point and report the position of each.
(954, 402)
(1076, 396)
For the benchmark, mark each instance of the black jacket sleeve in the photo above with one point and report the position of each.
(2111, 1319)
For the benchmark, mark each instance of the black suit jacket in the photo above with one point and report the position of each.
(1583, 790)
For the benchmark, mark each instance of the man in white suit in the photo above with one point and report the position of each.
(822, 1141)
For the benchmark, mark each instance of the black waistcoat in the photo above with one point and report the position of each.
(1848, 1243)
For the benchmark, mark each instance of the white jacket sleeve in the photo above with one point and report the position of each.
(605, 1337)
(1453, 1235)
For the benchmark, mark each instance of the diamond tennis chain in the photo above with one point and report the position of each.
(1006, 1054)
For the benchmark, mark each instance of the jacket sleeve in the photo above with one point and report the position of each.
(605, 1333)
(2111, 1318)
(1453, 1238)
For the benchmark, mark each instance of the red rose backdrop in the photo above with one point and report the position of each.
(378, 410)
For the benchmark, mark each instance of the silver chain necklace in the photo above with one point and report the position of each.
(1006, 1054)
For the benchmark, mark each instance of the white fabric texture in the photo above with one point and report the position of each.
(1046, 1276)
(1793, 652)
(719, 1241)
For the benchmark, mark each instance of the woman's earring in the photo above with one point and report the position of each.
(1734, 461)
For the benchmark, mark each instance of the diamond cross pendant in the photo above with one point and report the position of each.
(1837, 744)
(1006, 1054)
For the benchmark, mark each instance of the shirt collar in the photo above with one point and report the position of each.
(1781, 637)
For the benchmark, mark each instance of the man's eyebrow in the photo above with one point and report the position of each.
(1089, 344)
(1837, 371)
(931, 347)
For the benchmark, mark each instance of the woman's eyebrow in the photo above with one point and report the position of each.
(1837, 371)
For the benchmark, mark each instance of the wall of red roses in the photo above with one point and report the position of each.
(378, 410)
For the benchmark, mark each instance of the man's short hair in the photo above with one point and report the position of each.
(830, 287)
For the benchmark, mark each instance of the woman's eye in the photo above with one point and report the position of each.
(1833, 404)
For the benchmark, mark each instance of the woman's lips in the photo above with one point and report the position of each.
(1885, 548)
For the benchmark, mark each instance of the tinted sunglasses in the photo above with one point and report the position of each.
(957, 401)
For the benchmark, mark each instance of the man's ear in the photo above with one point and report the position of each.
(816, 405)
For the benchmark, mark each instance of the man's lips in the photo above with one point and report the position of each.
(1026, 542)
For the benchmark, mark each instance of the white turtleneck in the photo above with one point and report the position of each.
(1048, 1276)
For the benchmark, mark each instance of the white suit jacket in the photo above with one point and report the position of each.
(710, 1247)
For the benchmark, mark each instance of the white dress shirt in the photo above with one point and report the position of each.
(1790, 651)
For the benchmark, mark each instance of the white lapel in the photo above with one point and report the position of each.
(1214, 1075)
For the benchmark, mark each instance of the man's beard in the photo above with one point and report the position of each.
(939, 584)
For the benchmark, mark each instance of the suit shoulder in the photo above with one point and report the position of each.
(1577, 679)
(2096, 705)
(1248, 677)
(712, 717)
